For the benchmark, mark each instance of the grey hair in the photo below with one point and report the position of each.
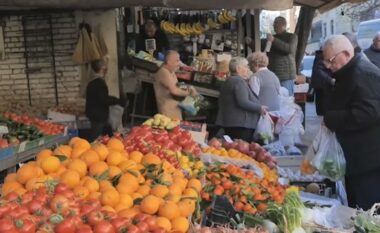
(258, 59)
(168, 54)
(377, 35)
(339, 43)
(236, 62)
(352, 38)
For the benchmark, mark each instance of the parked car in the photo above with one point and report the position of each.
(366, 32)
(307, 69)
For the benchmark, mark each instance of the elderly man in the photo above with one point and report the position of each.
(239, 105)
(373, 52)
(165, 87)
(282, 54)
(354, 114)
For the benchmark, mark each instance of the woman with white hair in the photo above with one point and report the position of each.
(264, 81)
(239, 106)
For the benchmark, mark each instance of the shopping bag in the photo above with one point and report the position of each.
(264, 130)
(329, 159)
(192, 104)
(306, 166)
(115, 118)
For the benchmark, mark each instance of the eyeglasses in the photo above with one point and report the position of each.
(331, 60)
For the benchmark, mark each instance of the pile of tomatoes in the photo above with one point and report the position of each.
(57, 210)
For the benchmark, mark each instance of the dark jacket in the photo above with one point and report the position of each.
(98, 100)
(162, 42)
(373, 55)
(321, 82)
(354, 114)
(238, 105)
(282, 56)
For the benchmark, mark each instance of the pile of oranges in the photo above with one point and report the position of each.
(124, 183)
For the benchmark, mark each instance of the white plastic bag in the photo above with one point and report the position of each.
(264, 129)
(329, 159)
(115, 117)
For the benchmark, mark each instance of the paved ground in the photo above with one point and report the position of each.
(313, 123)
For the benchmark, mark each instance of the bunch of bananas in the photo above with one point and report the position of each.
(162, 122)
(226, 17)
(184, 29)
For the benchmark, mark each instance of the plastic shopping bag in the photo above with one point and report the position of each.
(191, 104)
(306, 166)
(115, 118)
(329, 159)
(264, 130)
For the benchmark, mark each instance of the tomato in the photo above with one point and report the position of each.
(68, 194)
(151, 221)
(60, 188)
(74, 211)
(34, 206)
(108, 215)
(59, 204)
(66, 226)
(19, 211)
(4, 210)
(89, 206)
(6, 224)
(143, 226)
(76, 220)
(83, 228)
(95, 217)
(46, 227)
(158, 230)
(25, 226)
(104, 227)
(26, 198)
(120, 222)
(140, 217)
(133, 229)
(12, 196)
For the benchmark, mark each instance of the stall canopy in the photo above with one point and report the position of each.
(322, 5)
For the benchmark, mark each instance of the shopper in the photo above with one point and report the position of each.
(151, 31)
(282, 54)
(264, 82)
(166, 89)
(373, 52)
(98, 101)
(354, 41)
(354, 114)
(322, 82)
(239, 106)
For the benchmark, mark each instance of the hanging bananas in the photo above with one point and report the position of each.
(226, 17)
(183, 29)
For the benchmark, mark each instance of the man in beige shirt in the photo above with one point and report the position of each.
(165, 87)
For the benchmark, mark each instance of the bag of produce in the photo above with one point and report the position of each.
(329, 159)
(192, 104)
(264, 130)
(115, 117)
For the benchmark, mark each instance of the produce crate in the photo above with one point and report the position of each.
(8, 152)
(145, 65)
(292, 162)
(60, 117)
(221, 212)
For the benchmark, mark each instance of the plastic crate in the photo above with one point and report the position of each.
(221, 212)
(7, 152)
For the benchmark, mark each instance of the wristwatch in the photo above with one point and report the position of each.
(333, 80)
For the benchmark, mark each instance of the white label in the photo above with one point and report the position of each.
(130, 28)
(3, 129)
(41, 142)
(227, 138)
(21, 147)
(65, 132)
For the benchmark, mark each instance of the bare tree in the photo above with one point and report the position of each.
(361, 11)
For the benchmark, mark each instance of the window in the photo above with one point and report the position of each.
(316, 32)
(332, 27)
(324, 30)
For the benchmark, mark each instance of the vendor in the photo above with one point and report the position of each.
(151, 31)
(166, 89)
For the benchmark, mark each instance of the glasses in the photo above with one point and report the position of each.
(332, 59)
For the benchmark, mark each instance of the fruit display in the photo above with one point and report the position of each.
(124, 185)
(71, 108)
(253, 150)
(162, 122)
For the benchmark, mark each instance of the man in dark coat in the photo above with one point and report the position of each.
(322, 82)
(282, 54)
(354, 114)
(373, 52)
(98, 101)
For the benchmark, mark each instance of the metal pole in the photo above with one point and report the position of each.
(257, 29)
(248, 26)
(240, 32)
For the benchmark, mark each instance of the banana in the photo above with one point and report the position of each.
(196, 30)
(230, 16)
(225, 16)
(183, 29)
(221, 19)
(211, 23)
(162, 25)
(189, 29)
(179, 30)
(170, 26)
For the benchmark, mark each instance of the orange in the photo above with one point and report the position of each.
(71, 178)
(127, 165)
(175, 189)
(114, 158)
(166, 179)
(186, 207)
(20, 191)
(151, 158)
(91, 184)
(81, 143)
(50, 164)
(182, 182)
(125, 202)
(178, 174)
(37, 182)
(195, 183)
(130, 176)
(81, 191)
(10, 177)
(102, 151)
(168, 210)
(129, 213)
(190, 192)
(43, 154)
(26, 173)
(73, 140)
(164, 223)
(180, 224)
(105, 185)
(150, 204)
(60, 170)
(113, 171)
(10, 186)
(108, 208)
(115, 144)
(64, 150)
(90, 157)
(136, 156)
(110, 197)
(159, 190)
(79, 166)
(144, 190)
(98, 168)
(173, 197)
(127, 186)
(95, 195)
(77, 152)
(137, 196)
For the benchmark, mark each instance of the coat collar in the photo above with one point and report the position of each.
(346, 70)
